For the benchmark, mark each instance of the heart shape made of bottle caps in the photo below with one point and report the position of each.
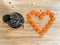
(41, 16)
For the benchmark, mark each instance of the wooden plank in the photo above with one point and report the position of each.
(28, 36)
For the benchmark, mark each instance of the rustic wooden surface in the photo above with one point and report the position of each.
(28, 36)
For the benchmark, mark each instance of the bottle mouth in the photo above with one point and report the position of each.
(14, 20)
(6, 18)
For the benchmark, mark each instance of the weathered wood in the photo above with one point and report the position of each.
(28, 36)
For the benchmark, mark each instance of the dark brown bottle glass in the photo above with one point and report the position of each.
(14, 20)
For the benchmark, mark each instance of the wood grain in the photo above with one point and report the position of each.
(28, 36)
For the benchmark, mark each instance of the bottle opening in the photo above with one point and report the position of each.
(6, 18)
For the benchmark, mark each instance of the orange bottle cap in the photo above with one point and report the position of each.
(41, 17)
(38, 13)
(44, 13)
(33, 12)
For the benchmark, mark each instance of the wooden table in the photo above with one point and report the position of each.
(27, 35)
